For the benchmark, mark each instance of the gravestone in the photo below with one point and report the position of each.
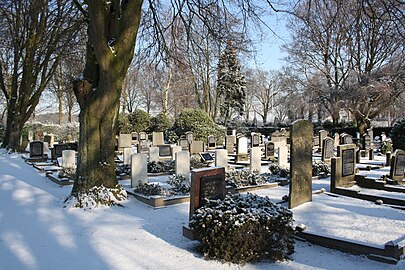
(184, 144)
(50, 139)
(197, 147)
(46, 149)
(398, 166)
(343, 168)
(327, 150)
(124, 141)
(135, 138)
(346, 138)
(255, 139)
(182, 164)
(36, 149)
(127, 152)
(143, 136)
(72, 146)
(367, 142)
(282, 156)
(153, 154)
(211, 142)
(206, 157)
(242, 149)
(221, 158)
(143, 145)
(68, 159)
(57, 149)
(269, 151)
(301, 134)
(157, 138)
(255, 159)
(322, 136)
(165, 151)
(206, 183)
(139, 169)
(230, 141)
(175, 149)
(30, 135)
(337, 139)
(189, 136)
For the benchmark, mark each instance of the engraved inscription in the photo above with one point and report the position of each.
(400, 165)
(348, 162)
(211, 188)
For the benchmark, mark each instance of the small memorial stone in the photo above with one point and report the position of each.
(269, 151)
(157, 138)
(153, 154)
(221, 158)
(255, 159)
(139, 169)
(182, 165)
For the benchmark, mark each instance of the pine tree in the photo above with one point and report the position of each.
(231, 83)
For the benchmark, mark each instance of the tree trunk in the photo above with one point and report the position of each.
(60, 102)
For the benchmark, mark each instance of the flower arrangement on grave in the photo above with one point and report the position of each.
(320, 168)
(178, 186)
(243, 178)
(244, 228)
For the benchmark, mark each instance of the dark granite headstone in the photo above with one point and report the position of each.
(57, 150)
(206, 157)
(398, 166)
(206, 183)
(73, 146)
(165, 151)
(36, 149)
(269, 151)
(301, 134)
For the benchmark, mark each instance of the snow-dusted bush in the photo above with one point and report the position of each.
(386, 146)
(161, 166)
(244, 228)
(196, 162)
(320, 168)
(279, 171)
(245, 178)
(179, 185)
(149, 189)
(398, 134)
(97, 196)
(68, 172)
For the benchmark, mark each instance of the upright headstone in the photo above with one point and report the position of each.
(182, 165)
(322, 135)
(398, 166)
(383, 137)
(135, 138)
(50, 139)
(157, 138)
(139, 169)
(36, 149)
(175, 149)
(197, 147)
(221, 158)
(184, 144)
(189, 136)
(327, 150)
(153, 154)
(337, 139)
(230, 141)
(165, 151)
(46, 149)
(301, 134)
(242, 149)
(30, 135)
(68, 159)
(343, 168)
(73, 146)
(282, 155)
(124, 141)
(346, 138)
(57, 149)
(211, 142)
(269, 151)
(206, 183)
(255, 139)
(255, 159)
(143, 145)
(127, 152)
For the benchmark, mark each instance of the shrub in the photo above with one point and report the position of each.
(160, 122)
(275, 169)
(148, 189)
(124, 126)
(140, 120)
(244, 178)
(386, 146)
(244, 228)
(179, 185)
(320, 168)
(161, 166)
(398, 134)
(200, 123)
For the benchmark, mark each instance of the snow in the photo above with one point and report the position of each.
(36, 232)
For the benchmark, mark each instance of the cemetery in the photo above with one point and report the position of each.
(202, 135)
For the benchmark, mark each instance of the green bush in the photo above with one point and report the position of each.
(200, 123)
(124, 126)
(243, 178)
(160, 122)
(140, 120)
(398, 134)
(244, 228)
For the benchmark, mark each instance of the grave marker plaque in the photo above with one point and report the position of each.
(165, 151)
(57, 150)
(300, 191)
(348, 162)
(206, 157)
(206, 183)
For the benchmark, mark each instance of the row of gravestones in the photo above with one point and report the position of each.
(67, 152)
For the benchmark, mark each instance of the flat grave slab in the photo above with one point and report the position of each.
(54, 177)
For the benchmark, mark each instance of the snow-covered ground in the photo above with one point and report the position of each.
(36, 232)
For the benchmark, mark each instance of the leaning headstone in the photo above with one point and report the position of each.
(36, 149)
(157, 138)
(206, 183)
(301, 134)
(242, 149)
(68, 159)
(269, 151)
(175, 149)
(230, 141)
(127, 152)
(211, 142)
(124, 141)
(327, 150)
(398, 166)
(255, 159)
(197, 147)
(343, 168)
(221, 158)
(153, 154)
(182, 165)
(139, 169)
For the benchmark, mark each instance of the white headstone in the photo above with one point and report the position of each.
(139, 169)
(175, 149)
(125, 140)
(153, 154)
(221, 158)
(182, 166)
(127, 156)
(283, 156)
(157, 138)
(255, 159)
(242, 145)
(46, 149)
(68, 159)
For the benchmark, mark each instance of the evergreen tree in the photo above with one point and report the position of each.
(231, 83)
